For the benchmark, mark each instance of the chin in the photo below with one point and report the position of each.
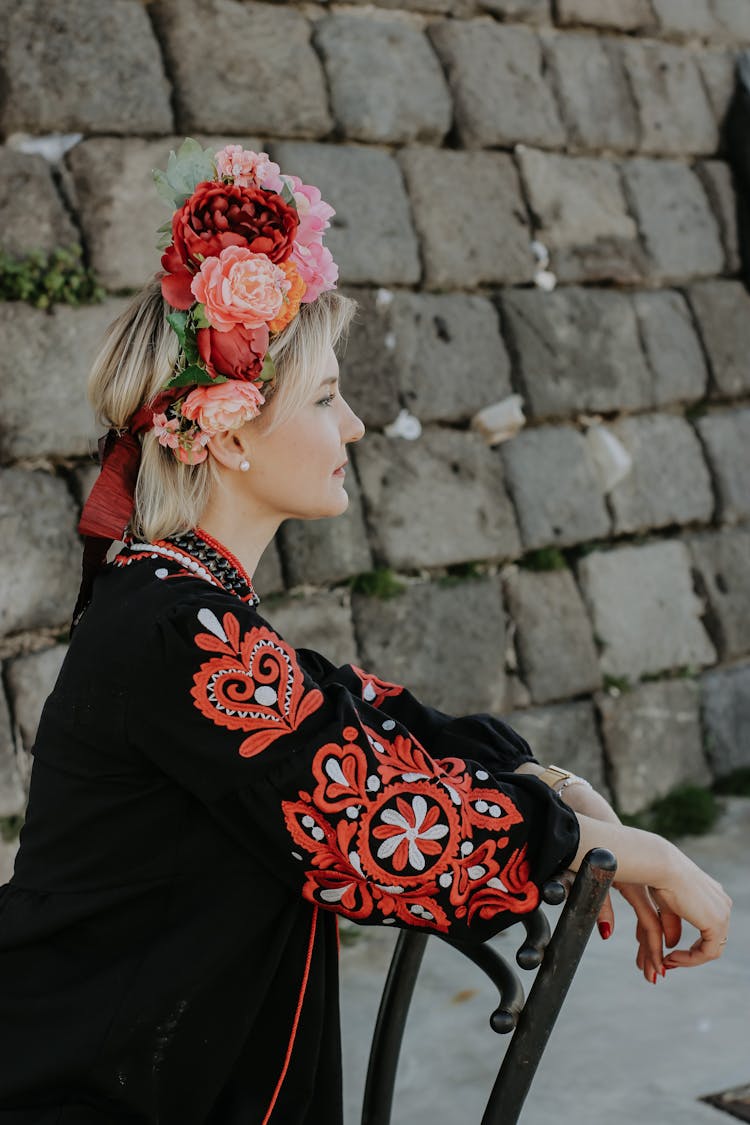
(336, 506)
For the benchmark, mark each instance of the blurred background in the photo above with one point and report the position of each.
(540, 208)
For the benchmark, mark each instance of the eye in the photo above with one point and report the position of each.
(327, 401)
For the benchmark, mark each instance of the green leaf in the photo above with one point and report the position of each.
(268, 370)
(200, 320)
(178, 321)
(192, 375)
(287, 195)
(186, 168)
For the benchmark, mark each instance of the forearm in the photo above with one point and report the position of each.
(641, 856)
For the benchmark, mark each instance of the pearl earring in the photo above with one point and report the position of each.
(244, 466)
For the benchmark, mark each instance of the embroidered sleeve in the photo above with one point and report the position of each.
(334, 796)
(482, 737)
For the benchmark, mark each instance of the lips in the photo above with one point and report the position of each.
(341, 467)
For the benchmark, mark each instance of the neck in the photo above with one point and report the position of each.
(246, 533)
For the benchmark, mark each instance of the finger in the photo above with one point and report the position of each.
(671, 925)
(606, 919)
(708, 947)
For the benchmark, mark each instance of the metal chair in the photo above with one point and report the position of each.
(531, 1023)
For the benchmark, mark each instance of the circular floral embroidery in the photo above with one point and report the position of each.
(390, 832)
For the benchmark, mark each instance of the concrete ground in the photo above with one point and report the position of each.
(623, 1052)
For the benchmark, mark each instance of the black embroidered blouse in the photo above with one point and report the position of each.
(205, 799)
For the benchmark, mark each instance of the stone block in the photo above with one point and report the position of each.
(267, 578)
(435, 501)
(449, 354)
(32, 214)
(733, 20)
(327, 550)
(621, 15)
(718, 72)
(30, 680)
(439, 355)
(672, 347)
(582, 217)
(682, 20)
(444, 642)
(12, 792)
(371, 236)
(256, 72)
(119, 208)
(565, 734)
(40, 564)
(369, 372)
(646, 615)
(8, 853)
(680, 231)
(668, 482)
(595, 99)
(726, 438)
(92, 67)
(385, 81)
(44, 365)
(457, 8)
(554, 486)
(652, 739)
(726, 718)
(554, 641)
(463, 247)
(577, 350)
(320, 620)
(673, 108)
(722, 560)
(716, 177)
(722, 310)
(520, 11)
(497, 77)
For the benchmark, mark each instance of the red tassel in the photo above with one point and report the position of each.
(109, 508)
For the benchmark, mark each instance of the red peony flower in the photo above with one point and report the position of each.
(219, 215)
(176, 282)
(238, 354)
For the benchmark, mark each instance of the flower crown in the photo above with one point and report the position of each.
(246, 250)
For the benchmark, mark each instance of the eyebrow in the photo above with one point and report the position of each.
(331, 379)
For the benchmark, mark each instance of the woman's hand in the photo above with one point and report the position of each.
(652, 929)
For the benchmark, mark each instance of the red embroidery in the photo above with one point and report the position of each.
(375, 690)
(398, 838)
(254, 685)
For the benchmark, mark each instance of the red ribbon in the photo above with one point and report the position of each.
(109, 508)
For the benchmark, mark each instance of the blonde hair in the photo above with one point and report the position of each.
(137, 359)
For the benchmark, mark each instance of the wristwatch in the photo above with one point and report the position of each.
(559, 779)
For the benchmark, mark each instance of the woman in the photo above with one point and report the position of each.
(205, 799)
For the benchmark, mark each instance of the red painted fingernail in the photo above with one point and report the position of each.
(663, 971)
(605, 929)
(653, 977)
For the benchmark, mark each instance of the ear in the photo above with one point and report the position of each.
(229, 447)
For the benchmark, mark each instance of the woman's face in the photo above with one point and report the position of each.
(293, 469)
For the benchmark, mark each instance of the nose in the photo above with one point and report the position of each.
(356, 426)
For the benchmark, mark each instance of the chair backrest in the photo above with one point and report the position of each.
(530, 1021)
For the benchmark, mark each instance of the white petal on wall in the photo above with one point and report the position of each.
(610, 457)
(406, 426)
(500, 421)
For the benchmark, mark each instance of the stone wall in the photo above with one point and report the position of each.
(532, 198)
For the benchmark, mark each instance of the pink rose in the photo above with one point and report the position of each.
(166, 431)
(225, 406)
(240, 287)
(313, 212)
(193, 453)
(317, 269)
(248, 168)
